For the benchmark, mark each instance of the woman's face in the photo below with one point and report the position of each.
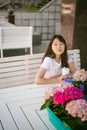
(58, 47)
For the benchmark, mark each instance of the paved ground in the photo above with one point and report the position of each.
(40, 48)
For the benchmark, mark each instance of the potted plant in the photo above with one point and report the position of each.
(66, 106)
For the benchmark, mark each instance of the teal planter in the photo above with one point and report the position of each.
(58, 124)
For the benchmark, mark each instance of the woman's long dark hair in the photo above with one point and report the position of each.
(49, 52)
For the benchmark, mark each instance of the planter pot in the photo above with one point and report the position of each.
(58, 124)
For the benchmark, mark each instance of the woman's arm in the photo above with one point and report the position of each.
(72, 67)
(39, 79)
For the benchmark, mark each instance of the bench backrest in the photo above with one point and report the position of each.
(75, 54)
(15, 38)
(21, 70)
(18, 70)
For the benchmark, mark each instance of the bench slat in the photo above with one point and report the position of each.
(16, 73)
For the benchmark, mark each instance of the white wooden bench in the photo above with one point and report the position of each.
(75, 54)
(16, 38)
(19, 70)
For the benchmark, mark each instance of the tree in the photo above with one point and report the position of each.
(80, 31)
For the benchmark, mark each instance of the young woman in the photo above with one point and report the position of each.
(53, 61)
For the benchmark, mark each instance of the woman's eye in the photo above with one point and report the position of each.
(61, 43)
(55, 44)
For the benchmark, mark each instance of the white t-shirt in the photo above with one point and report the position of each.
(53, 68)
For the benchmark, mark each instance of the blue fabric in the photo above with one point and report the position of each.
(81, 86)
(68, 80)
(58, 124)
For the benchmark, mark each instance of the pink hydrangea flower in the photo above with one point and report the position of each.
(77, 108)
(73, 93)
(63, 85)
(49, 92)
(59, 98)
(70, 93)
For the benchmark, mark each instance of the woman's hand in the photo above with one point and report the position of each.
(60, 78)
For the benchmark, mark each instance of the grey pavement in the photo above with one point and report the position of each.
(40, 48)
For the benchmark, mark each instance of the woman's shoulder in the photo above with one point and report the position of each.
(48, 59)
(46, 62)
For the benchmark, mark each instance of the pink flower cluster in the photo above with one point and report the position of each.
(70, 93)
(50, 91)
(80, 75)
(77, 108)
(73, 93)
(71, 97)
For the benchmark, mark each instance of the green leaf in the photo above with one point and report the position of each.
(45, 105)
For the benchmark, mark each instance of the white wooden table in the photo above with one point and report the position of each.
(20, 108)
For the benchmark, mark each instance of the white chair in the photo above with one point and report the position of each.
(16, 38)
